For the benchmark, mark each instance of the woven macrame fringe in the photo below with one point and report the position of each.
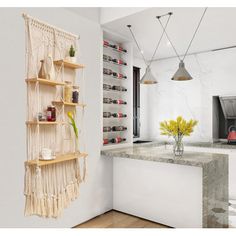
(47, 196)
(51, 206)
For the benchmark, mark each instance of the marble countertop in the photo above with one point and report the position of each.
(221, 145)
(158, 152)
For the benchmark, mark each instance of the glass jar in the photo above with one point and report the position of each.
(51, 113)
(67, 91)
(75, 94)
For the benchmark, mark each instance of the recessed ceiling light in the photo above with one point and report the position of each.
(168, 44)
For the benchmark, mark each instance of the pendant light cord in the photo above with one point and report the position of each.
(163, 32)
(129, 26)
(164, 27)
(168, 38)
(195, 32)
(199, 23)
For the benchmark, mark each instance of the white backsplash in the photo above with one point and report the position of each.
(213, 73)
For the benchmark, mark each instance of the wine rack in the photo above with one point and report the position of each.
(117, 71)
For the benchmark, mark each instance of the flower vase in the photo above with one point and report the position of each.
(178, 147)
(77, 151)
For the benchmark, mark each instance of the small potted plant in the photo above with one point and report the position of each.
(72, 57)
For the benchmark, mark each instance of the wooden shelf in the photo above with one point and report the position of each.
(45, 81)
(58, 159)
(67, 103)
(69, 64)
(43, 122)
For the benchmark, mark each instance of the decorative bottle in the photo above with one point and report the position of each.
(42, 71)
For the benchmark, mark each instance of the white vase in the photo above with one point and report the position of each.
(50, 67)
(73, 59)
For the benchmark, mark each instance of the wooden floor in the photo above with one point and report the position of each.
(115, 219)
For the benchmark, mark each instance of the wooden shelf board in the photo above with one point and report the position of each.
(58, 159)
(45, 81)
(43, 122)
(69, 64)
(68, 103)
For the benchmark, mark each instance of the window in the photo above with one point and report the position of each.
(136, 102)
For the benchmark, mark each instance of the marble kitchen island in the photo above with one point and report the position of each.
(190, 192)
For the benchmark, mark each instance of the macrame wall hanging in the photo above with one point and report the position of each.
(55, 164)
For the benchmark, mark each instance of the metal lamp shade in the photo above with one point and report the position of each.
(148, 77)
(181, 74)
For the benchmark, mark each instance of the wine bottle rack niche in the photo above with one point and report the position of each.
(117, 91)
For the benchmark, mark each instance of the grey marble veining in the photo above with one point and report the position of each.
(219, 144)
(214, 176)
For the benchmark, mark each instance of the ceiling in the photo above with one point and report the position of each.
(216, 31)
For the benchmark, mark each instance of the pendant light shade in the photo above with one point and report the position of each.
(148, 77)
(181, 74)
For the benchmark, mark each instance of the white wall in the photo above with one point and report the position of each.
(108, 14)
(92, 13)
(213, 74)
(96, 194)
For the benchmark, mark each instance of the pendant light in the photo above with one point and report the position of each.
(148, 77)
(182, 74)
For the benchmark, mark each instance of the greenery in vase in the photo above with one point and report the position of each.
(72, 51)
(177, 128)
(73, 124)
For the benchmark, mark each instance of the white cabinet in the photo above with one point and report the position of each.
(161, 192)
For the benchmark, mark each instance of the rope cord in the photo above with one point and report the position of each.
(177, 54)
(169, 39)
(199, 23)
(129, 26)
(158, 44)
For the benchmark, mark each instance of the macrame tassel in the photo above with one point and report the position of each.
(27, 186)
(77, 170)
(84, 169)
(38, 183)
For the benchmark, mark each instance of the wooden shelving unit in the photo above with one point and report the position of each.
(68, 64)
(58, 159)
(45, 81)
(41, 98)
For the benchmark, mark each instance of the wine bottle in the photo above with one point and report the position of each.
(107, 129)
(119, 128)
(119, 115)
(117, 140)
(119, 88)
(119, 101)
(107, 87)
(107, 71)
(107, 100)
(106, 43)
(119, 75)
(105, 141)
(107, 114)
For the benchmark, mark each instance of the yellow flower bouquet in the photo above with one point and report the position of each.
(178, 129)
